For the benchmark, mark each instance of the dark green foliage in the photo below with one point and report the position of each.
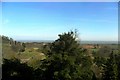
(38, 74)
(100, 61)
(94, 76)
(118, 65)
(5, 39)
(66, 60)
(60, 67)
(23, 45)
(66, 43)
(46, 49)
(22, 48)
(14, 70)
(110, 69)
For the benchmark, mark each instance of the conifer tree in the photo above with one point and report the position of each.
(110, 69)
(66, 60)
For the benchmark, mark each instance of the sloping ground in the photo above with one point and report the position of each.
(7, 51)
(30, 55)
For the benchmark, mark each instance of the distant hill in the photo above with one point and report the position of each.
(99, 42)
(81, 42)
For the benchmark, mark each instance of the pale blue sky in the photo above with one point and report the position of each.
(44, 21)
(60, 0)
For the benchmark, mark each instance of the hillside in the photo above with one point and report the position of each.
(65, 56)
(26, 52)
(32, 52)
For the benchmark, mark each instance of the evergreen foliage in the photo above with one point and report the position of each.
(66, 60)
(110, 69)
(15, 70)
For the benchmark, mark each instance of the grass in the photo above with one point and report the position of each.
(31, 57)
(32, 54)
(95, 50)
(7, 52)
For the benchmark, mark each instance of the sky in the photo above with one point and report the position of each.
(60, 0)
(95, 21)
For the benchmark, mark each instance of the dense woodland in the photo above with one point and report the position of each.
(63, 59)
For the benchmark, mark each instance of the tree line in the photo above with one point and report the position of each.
(64, 61)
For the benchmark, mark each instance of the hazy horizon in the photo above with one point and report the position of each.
(95, 21)
(82, 42)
